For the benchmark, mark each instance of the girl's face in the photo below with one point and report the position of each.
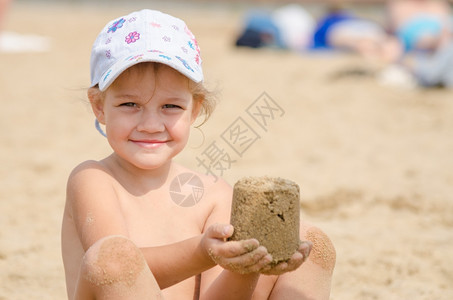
(147, 114)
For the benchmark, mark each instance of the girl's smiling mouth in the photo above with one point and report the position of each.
(150, 144)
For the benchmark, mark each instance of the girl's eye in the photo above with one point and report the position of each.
(171, 106)
(129, 104)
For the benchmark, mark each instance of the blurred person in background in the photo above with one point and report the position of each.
(288, 27)
(4, 6)
(424, 29)
(292, 27)
(12, 42)
(341, 29)
(420, 24)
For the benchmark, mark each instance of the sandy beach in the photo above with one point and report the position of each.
(374, 162)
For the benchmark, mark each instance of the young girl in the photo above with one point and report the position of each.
(125, 234)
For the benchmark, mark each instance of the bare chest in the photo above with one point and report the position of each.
(158, 219)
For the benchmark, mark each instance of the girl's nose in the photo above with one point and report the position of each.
(150, 121)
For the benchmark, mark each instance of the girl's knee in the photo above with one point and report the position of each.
(323, 252)
(113, 259)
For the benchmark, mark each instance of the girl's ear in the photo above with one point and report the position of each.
(97, 103)
(197, 104)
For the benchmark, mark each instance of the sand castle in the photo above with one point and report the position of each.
(267, 209)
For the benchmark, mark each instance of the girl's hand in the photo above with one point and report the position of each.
(292, 264)
(242, 257)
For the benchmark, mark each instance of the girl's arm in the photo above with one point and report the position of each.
(93, 204)
(173, 263)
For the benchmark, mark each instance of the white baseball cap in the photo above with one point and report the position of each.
(144, 36)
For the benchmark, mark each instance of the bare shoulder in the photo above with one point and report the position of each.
(93, 203)
(87, 178)
(323, 252)
(217, 186)
(88, 168)
(219, 192)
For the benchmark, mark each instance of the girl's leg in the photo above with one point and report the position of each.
(114, 268)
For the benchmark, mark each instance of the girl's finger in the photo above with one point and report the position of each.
(220, 231)
(292, 264)
(305, 249)
(251, 262)
(234, 249)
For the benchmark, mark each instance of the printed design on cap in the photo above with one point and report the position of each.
(154, 24)
(153, 51)
(117, 24)
(135, 57)
(132, 37)
(161, 54)
(107, 75)
(185, 64)
(193, 44)
(189, 33)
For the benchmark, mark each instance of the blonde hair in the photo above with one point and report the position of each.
(207, 99)
(200, 93)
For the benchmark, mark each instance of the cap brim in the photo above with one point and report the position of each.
(193, 72)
